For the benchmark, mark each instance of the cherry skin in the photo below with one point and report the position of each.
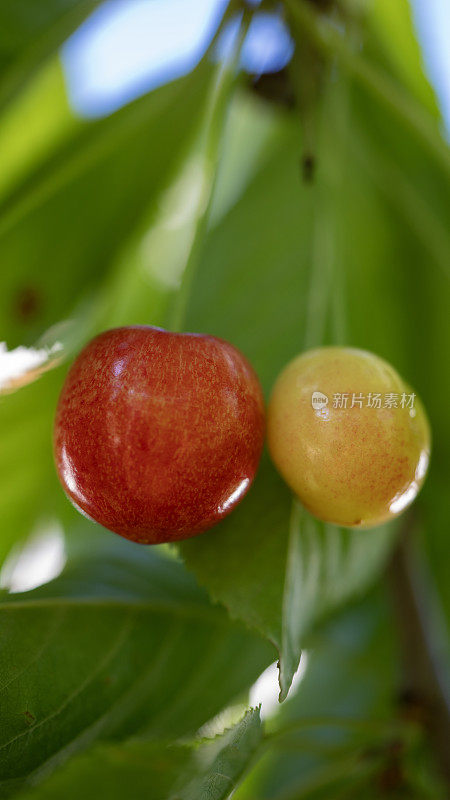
(158, 435)
(354, 466)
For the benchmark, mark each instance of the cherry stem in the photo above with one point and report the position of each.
(209, 143)
(326, 310)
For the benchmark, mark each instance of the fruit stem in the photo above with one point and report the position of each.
(326, 308)
(209, 143)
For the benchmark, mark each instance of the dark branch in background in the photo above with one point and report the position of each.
(323, 5)
(301, 85)
(424, 691)
(275, 87)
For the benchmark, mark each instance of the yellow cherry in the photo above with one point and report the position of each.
(348, 435)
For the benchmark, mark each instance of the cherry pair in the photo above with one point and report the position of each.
(158, 435)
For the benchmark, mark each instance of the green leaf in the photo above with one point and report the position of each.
(326, 566)
(345, 729)
(393, 29)
(228, 756)
(31, 32)
(206, 770)
(122, 643)
(282, 575)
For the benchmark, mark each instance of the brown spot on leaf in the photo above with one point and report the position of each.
(27, 303)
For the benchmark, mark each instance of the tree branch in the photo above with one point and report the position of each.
(424, 681)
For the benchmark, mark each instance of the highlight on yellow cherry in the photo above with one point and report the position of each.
(348, 435)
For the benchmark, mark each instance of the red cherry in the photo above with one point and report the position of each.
(158, 435)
